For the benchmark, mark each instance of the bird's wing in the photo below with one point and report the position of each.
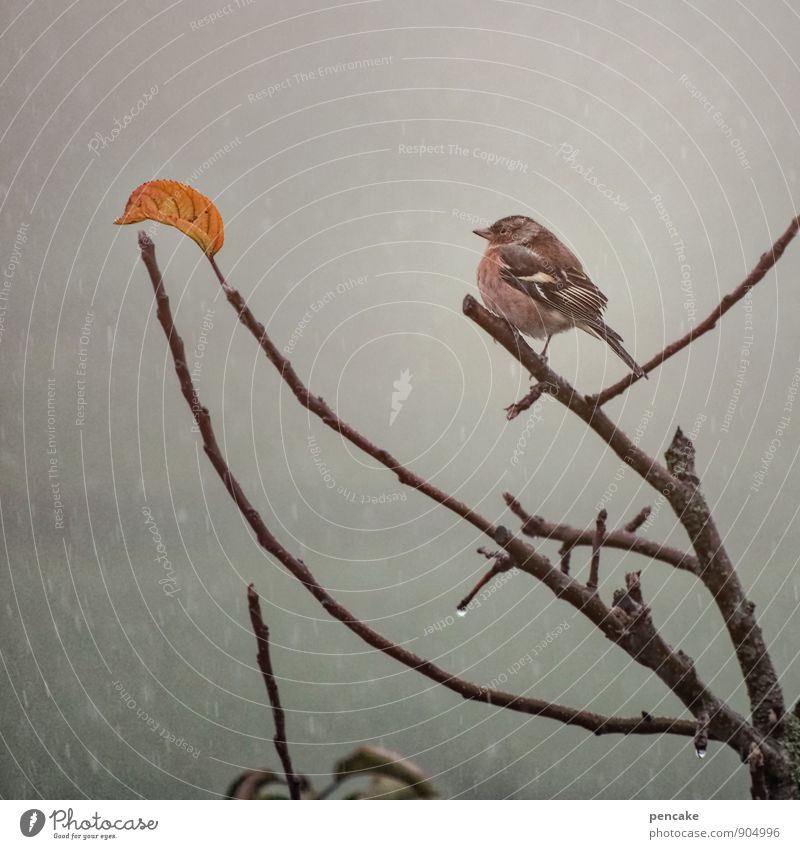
(565, 288)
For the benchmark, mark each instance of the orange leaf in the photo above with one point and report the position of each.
(179, 205)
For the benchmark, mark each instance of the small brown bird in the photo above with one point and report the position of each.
(535, 282)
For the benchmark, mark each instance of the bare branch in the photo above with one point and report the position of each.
(596, 723)
(265, 665)
(716, 569)
(718, 574)
(621, 539)
(755, 276)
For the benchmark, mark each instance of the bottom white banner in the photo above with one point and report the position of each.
(344, 824)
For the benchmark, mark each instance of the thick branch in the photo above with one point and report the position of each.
(755, 276)
(265, 665)
(596, 723)
(625, 540)
(719, 575)
(624, 447)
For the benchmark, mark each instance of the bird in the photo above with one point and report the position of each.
(532, 279)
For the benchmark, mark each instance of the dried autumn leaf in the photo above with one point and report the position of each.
(179, 205)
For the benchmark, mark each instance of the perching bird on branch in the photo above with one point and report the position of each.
(532, 279)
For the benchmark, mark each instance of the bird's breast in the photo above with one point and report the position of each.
(527, 315)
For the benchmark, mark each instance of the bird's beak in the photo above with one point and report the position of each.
(484, 233)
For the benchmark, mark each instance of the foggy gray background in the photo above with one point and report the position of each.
(693, 102)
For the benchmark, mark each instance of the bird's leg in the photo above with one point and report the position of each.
(543, 355)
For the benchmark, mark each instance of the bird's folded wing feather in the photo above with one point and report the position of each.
(567, 288)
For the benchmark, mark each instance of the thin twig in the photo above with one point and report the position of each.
(265, 665)
(755, 276)
(638, 520)
(536, 392)
(502, 563)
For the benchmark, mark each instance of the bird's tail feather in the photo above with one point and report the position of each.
(614, 340)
